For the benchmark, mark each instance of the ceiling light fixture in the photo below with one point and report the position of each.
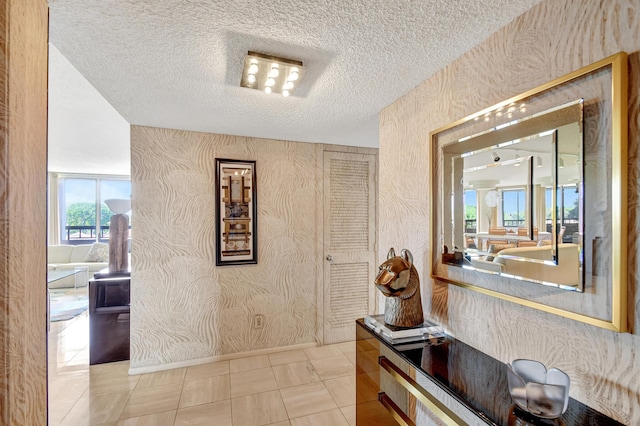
(275, 72)
(271, 74)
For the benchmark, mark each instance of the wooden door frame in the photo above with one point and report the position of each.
(23, 182)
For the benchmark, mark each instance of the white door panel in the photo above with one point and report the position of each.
(349, 241)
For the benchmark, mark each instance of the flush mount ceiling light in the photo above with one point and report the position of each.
(271, 74)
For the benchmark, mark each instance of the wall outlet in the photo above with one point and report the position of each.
(258, 321)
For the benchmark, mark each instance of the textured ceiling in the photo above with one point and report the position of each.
(177, 63)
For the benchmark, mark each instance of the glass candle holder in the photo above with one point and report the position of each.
(536, 390)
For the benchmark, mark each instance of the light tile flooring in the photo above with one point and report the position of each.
(312, 387)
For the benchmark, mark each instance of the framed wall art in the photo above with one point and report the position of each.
(236, 212)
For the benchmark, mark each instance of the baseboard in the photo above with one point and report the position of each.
(191, 362)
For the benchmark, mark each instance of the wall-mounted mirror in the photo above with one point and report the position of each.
(516, 197)
(529, 197)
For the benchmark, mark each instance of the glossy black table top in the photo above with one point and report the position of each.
(479, 382)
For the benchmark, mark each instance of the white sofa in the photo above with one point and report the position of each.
(68, 257)
(509, 261)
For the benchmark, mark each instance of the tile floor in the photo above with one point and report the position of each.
(312, 387)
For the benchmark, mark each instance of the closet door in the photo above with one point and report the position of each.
(349, 241)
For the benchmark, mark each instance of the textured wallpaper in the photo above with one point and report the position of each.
(23, 164)
(183, 306)
(548, 41)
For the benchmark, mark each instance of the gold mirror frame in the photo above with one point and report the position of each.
(619, 135)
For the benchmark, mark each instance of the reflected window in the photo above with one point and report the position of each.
(513, 208)
(568, 210)
(548, 202)
(470, 210)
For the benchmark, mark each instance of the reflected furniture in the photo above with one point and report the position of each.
(531, 242)
(109, 301)
(450, 383)
(485, 239)
(494, 236)
(507, 261)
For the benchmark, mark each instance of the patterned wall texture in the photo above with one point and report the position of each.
(548, 41)
(183, 306)
(23, 178)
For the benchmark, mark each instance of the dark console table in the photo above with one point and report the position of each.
(109, 317)
(450, 383)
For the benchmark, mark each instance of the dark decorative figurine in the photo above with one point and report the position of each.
(398, 280)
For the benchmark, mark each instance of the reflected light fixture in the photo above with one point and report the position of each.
(538, 161)
(509, 111)
(560, 163)
(271, 74)
(518, 160)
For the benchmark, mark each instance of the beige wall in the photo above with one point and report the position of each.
(186, 309)
(550, 40)
(23, 165)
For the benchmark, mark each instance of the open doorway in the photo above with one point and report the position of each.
(78, 243)
(88, 162)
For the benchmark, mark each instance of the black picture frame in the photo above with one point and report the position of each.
(236, 212)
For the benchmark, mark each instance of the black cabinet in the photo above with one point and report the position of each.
(449, 382)
(109, 317)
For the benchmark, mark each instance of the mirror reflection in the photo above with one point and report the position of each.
(517, 198)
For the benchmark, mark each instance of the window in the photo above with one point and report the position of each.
(84, 217)
(513, 207)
